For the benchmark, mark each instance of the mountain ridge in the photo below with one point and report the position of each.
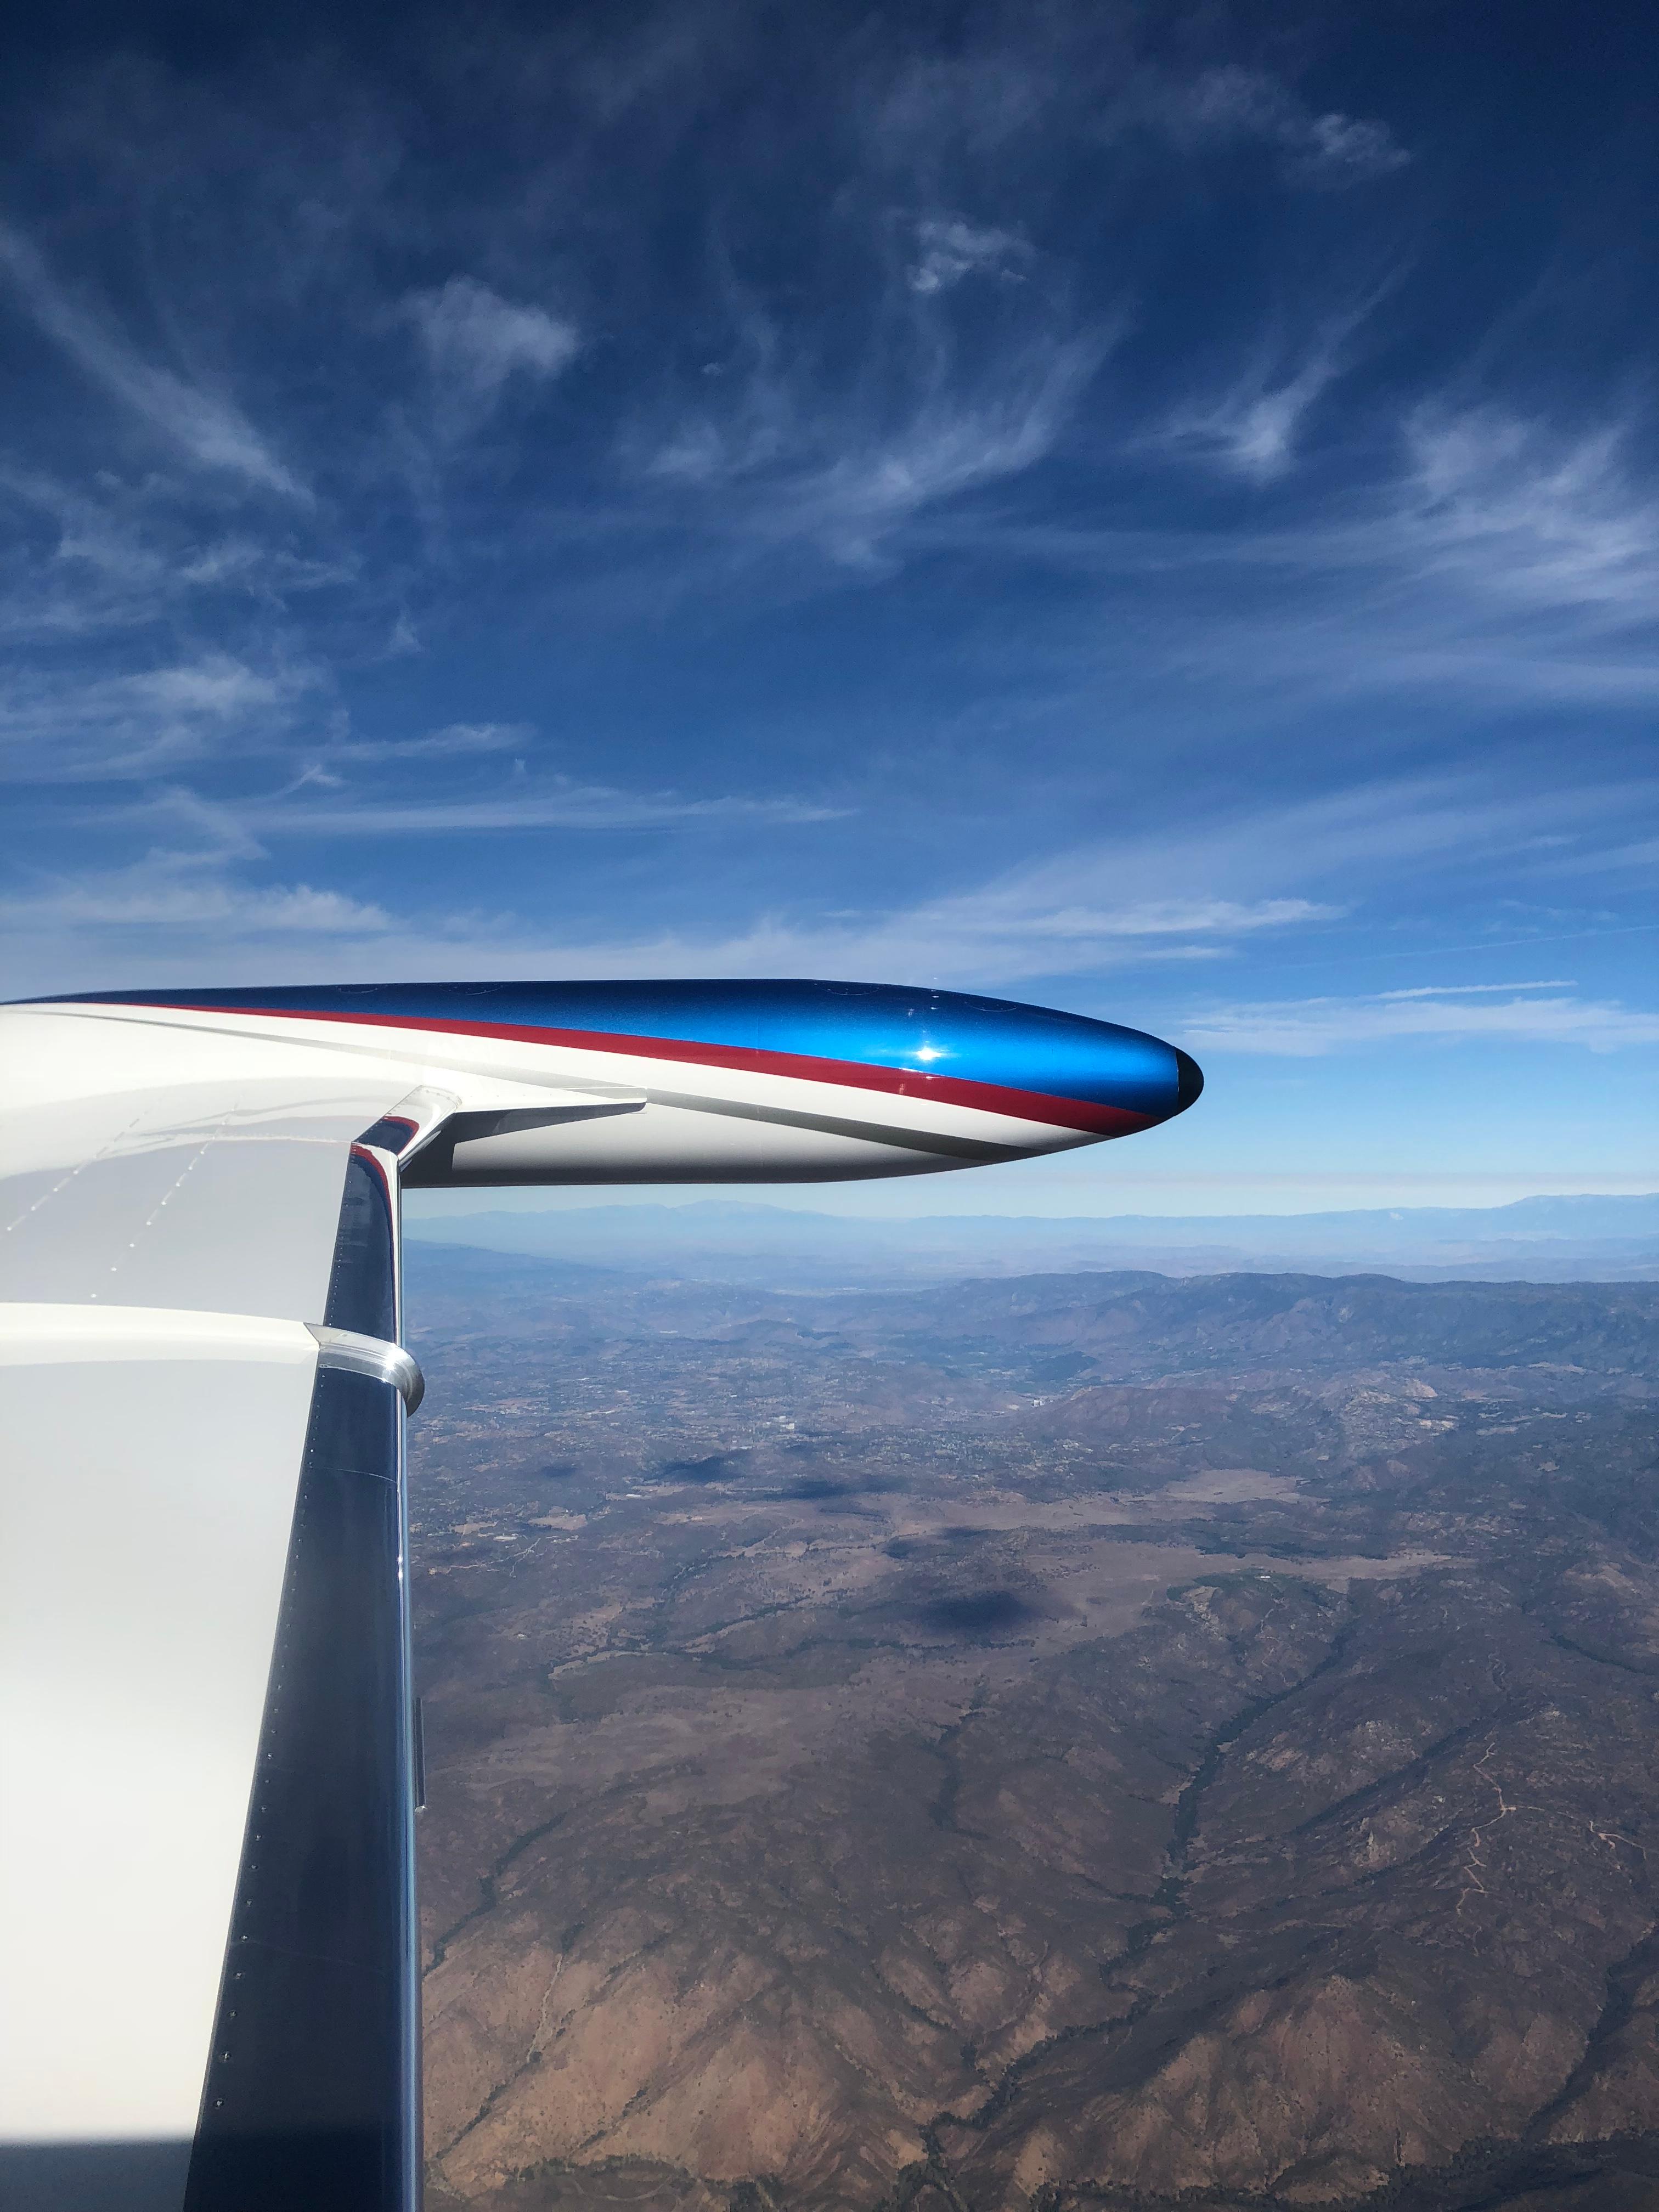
(1589, 1237)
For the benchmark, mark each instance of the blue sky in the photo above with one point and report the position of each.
(1148, 510)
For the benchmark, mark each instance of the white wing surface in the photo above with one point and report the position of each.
(164, 1246)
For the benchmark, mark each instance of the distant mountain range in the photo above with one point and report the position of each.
(1591, 1238)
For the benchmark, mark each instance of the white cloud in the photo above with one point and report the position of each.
(855, 501)
(112, 903)
(1307, 1028)
(215, 833)
(217, 686)
(151, 721)
(1342, 148)
(1101, 906)
(1504, 560)
(1005, 932)
(1025, 924)
(187, 917)
(1644, 853)
(1346, 839)
(951, 248)
(785, 445)
(117, 553)
(1093, 910)
(1233, 103)
(75, 565)
(268, 572)
(975, 942)
(528, 805)
(847, 483)
(1474, 990)
(455, 741)
(1252, 427)
(475, 340)
(1529, 513)
(208, 427)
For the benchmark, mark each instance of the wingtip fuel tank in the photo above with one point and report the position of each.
(766, 1081)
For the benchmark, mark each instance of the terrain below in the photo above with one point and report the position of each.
(1068, 1739)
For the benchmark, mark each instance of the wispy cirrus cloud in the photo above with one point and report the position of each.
(1077, 917)
(455, 741)
(917, 947)
(148, 721)
(949, 248)
(1093, 910)
(200, 834)
(102, 559)
(525, 803)
(205, 426)
(190, 916)
(853, 502)
(217, 688)
(1529, 512)
(848, 477)
(577, 807)
(1236, 104)
(794, 435)
(476, 341)
(1252, 426)
(1352, 842)
(1083, 915)
(1090, 910)
(1496, 558)
(161, 900)
(1258, 873)
(995, 936)
(1474, 990)
(1306, 1029)
(268, 572)
(1252, 429)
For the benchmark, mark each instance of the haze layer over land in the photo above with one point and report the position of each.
(1068, 1739)
(1591, 1238)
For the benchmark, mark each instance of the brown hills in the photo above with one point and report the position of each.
(1072, 1740)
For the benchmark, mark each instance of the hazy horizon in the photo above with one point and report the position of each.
(1585, 1238)
(861, 1202)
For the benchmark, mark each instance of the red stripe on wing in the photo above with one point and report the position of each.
(1080, 1114)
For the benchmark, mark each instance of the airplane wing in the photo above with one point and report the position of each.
(206, 1719)
(204, 1722)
